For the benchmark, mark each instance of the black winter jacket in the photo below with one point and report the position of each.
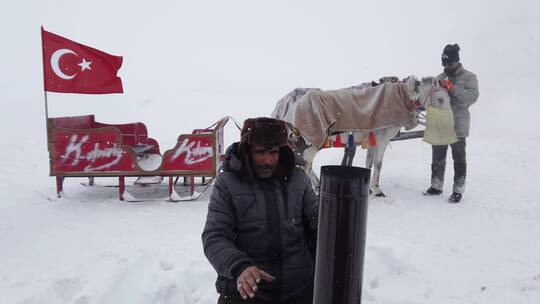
(268, 223)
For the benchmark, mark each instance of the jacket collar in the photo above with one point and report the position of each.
(458, 71)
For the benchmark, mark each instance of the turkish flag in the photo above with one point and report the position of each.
(71, 67)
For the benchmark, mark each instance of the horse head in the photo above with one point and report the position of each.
(411, 87)
(432, 94)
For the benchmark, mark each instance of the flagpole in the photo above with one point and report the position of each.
(46, 114)
(44, 91)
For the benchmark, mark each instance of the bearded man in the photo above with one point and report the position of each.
(261, 226)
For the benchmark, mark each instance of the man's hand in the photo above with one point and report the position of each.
(249, 278)
(447, 84)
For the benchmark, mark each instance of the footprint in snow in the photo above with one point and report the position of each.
(374, 283)
(166, 265)
(67, 288)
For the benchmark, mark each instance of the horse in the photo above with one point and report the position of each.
(305, 138)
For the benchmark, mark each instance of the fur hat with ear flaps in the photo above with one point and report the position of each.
(264, 131)
(267, 132)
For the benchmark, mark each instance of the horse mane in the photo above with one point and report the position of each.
(427, 80)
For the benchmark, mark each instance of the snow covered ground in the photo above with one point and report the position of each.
(91, 248)
(188, 64)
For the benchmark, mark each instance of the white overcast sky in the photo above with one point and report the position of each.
(239, 57)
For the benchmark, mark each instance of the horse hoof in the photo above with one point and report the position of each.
(380, 195)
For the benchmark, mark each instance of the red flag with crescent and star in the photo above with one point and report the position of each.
(71, 67)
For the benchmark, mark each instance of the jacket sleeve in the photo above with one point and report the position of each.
(310, 217)
(466, 95)
(218, 234)
(311, 205)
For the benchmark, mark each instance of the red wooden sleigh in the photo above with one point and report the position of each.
(79, 146)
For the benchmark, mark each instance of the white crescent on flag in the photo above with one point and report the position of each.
(55, 58)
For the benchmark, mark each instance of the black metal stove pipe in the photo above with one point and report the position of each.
(341, 236)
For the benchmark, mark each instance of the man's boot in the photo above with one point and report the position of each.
(432, 191)
(454, 198)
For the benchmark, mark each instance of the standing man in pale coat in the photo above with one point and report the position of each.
(462, 87)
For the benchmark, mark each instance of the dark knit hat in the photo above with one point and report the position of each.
(264, 131)
(450, 54)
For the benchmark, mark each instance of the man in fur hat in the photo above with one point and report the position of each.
(462, 86)
(261, 226)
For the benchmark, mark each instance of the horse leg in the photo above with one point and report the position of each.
(378, 159)
(383, 138)
(371, 151)
(370, 157)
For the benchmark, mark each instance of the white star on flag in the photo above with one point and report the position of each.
(85, 65)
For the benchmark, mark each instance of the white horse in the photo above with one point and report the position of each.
(421, 94)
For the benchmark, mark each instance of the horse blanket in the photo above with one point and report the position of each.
(286, 102)
(318, 114)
